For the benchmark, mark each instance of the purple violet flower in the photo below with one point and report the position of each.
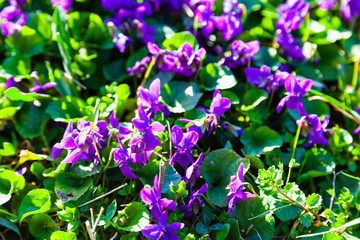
(327, 4)
(38, 87)
(120, 131)
(288, 46)
(183, 142)
(188, 60)
(233, 129)
(122, 41)
(162, 231)
(150, 99)
(10, 82)
(122, 158)
(229, 23)
(263, 79)
(143, 123)
(350, 9)
(10, 13)
(140, 67)
(64, 4)
(142, 147)
(357, 130)
(292, 14)
(314, 129)
(21, 171)
(9, 28)
(152, 197)
(164, 62)
(191, 175)
(296, 90)
(237, 187)
(204, 15)
(194, 198)
(241, 53)
(85, 142)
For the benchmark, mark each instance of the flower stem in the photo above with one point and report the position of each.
(355, 73)
(148, 71)
(307, 30)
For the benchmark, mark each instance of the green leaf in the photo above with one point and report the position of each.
(255, 161)
(122, 94)
(306, 219)
(58, 235)
(148, 172)
(69, 187)
(8, 150)
(181, 96)
(9, 183)
(42, 226)
(286, 213)
(340, 138)
(253, 98)
(261, 226)
(217, 168)
(317, 162)
(33, 114)
(222, 233)
(8, 112)
(9, 225)
(66, 108)
(258, 140)
(84, 168)
(27, 43)
(50, 172)
(133, 218)
(36, 201)
(14, 94)
(41, 23)
(69, 214)
(115, 71)
(214, 77)
(202, 228)
(314, 201)
(179, 39)
(37, 169)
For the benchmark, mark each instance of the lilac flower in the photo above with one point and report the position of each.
(64, 4)
(120, 131)
(10, 13)
(350, 9)
(229, 23)
(188, 60)
(143, 123)
(357, 130)
(142, 147)
(122, 158)
(191, 175)
(314, 129)
(9, 28)
(292, 14)
(327, 4)
(139, 69)
(204, 15)
(85, 142)
(263, 79)
(164, 61)
(288, 46)
(21, 171)
(121, 42)
(38, 87)
(10, 82)
(162, 231)
(237, 187)
(296, 90)
(183, 142)
(194, 198)
(152, 197)
(150, 99)
(241, 53)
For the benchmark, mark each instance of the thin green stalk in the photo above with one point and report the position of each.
(97, 151)
(355, 73)
(307, 30)
(294, 148)
(148, 71)
(271, 98)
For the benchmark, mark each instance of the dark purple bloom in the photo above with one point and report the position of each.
(150, 99)
(116, 4)
(288, 46)
(142, 147)
(296, 90)
(314, 129)
(162, 231)
(64, 4)
(38, 87)
(292, 14)
(237, 187)
(121, 42)
(143, 123)
(229, 23)
(241, 53)
(194, 198)
(120, 131)
(350, 9)
(85, 142)
(152, 197)
(10, 13)
(183, 142)
(164, 62)
(204, 16)
(17, 3)
(357, 130)
(189, 61)
(10, 82)
(122, 158)
(263, 79)
(139, 69)
(9, 28)
(191, 175)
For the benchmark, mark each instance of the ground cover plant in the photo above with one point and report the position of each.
(179, 119)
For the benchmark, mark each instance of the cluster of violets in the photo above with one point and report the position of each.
(37, 86)
(86, 141)
(348, 8)
(12, 18)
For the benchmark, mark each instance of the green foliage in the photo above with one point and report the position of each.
(133, 218)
